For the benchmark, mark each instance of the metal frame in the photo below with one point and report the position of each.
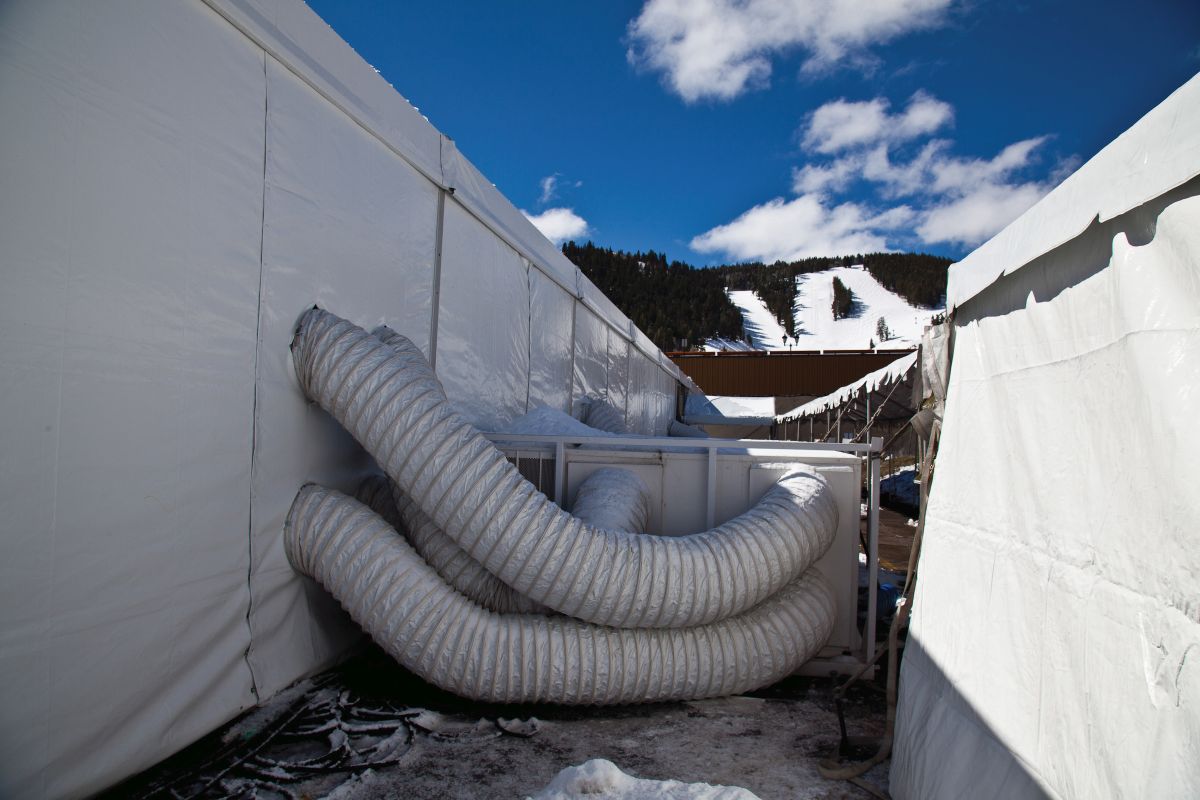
(872, 451)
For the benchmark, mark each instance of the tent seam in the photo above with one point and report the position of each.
(262, 238)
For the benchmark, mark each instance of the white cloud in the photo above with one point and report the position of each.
(979, 213)
(721, 48)
(931, 197)
(549, 186)
(957, 175)
(900, 180)
(824, 178)
(558, 224)
(840, 124)
(801, 228)
(924, 115)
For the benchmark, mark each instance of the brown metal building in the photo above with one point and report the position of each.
(781, 373)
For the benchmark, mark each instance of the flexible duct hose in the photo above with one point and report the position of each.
(613, 499)
(452, 642)
(608, 498)
(390, 401)
(466, 575)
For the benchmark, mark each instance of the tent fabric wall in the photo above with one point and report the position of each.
(617, 383)
(483, 322)
(551, 343)
(591, 358)
(181, 181)
(1057, 620)
(127, 343)
(642, 400)
(349, 225)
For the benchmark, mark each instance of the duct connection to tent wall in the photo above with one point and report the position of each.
(261, 163)
(641, 617)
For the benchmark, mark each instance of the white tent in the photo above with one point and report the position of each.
(1055, 643)
(180, 181)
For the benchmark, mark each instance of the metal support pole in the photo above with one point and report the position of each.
(873, 546)
(560, 471)
(711, 489)
(868, 436)
(436, 291)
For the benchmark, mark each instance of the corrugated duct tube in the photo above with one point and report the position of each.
(613, 499)
(609, 498)
(464, 574)
(388, 398)
(447, 639)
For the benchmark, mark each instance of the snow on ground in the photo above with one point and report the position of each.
(601, 779)
(720, 343)
(379, 733)
(760, 324)
(818, 330)
(744, 406)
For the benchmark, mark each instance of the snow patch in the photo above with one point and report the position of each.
(760, 324)
(721, 344)
(546, 421)
(744, 406)
(350, 789)
(816, 329)
(600, 778)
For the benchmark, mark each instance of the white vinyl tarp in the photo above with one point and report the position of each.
(181, 180)
(127, 346)
(1056, 626)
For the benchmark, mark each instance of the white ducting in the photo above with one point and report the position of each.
(614, 499)
(677, 428)
(447, 639)
(610, 498)
(387, 397)
(463, 573)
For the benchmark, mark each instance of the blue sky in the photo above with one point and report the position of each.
(720, 131)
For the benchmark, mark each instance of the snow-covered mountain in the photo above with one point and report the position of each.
(816, 329)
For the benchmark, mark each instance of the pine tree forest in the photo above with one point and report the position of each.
(675, 303)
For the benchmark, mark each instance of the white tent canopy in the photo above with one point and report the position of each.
(1056, 625)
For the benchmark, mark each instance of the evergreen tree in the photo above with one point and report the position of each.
(843, 300)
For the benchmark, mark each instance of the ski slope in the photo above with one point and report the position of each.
(763, 330)
(816, 329)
